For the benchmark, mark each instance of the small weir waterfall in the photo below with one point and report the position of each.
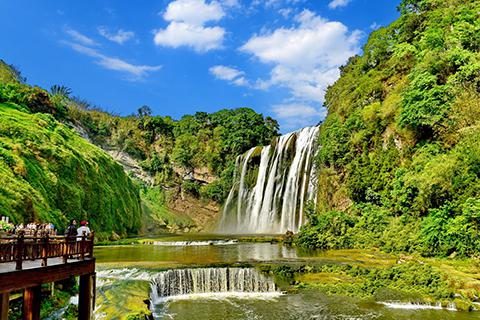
(272, 185)
(182, 282)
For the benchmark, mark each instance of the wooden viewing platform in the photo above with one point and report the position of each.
(27, 262)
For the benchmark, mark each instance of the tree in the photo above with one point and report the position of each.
(144, 111)
(413, 6)
(61, 90)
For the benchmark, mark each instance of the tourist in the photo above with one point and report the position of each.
(83, 230)
(71, 229)
(70, 234)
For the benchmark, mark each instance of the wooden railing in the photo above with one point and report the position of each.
(22, 248)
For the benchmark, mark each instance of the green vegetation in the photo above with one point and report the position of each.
(49, 173)
(203, 144)
(400, 158)
(126, 299)
(380, 277)
(156, 214)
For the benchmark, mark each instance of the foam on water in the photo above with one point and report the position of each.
(418, 306)
(221, 296)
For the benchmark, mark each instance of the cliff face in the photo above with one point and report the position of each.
(400, 159)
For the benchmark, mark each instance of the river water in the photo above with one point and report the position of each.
(210, 280)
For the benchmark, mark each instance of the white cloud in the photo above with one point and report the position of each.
(334, 4)
(80, 38)
(119, 37)
(305, 59)
(296, 115)
(187, 25)
(230, 74)
(304, 85)
(230, 3)
(135, 72)
(285, 12)
(200, 38)
(315, 42)
(375, 26)
(195, 12)
(274, 3)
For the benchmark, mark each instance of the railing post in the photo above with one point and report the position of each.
(34, 249)
(4, 305)
(92, 238)
(82, 246)
(66, 247)
(45, 250)
(86, 296)
(20, 247)
(31, 303)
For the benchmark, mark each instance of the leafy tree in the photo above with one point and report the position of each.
(424, 105)
(144, 111)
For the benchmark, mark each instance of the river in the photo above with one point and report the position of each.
(217, 280)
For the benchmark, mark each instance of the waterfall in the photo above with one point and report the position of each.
(187, 282)
(272, 185)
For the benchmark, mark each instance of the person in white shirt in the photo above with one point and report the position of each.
(83, 228)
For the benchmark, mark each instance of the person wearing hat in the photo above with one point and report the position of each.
(83, 229)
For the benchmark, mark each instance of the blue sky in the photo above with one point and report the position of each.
(183, 56)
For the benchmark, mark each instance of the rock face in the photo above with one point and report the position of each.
(204, 214)
(131, 166)
(201, 175)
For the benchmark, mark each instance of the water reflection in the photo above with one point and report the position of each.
(201, 254)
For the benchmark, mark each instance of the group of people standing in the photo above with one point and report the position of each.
(73, 231)
(34, 229)
(29, 229)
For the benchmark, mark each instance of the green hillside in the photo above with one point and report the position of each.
(48, 173)
(400, 158)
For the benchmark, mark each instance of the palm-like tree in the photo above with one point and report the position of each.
(61, 90)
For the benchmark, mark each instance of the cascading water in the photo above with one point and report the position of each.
(204, 281)
(272, 185)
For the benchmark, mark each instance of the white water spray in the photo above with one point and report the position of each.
(272, 185)
(209, 282)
